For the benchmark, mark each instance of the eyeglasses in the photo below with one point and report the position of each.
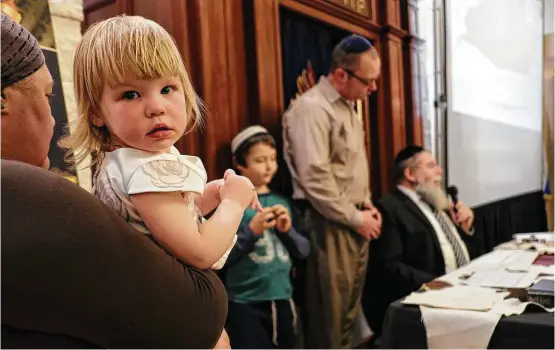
(362, 80)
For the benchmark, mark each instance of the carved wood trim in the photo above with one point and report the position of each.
(342, 19)
(389, 29)
(343, 12)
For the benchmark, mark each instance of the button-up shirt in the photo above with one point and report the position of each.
(324, 148)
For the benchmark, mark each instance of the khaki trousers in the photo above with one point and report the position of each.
(335, 276)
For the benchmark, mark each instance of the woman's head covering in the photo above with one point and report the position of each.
(21, 52)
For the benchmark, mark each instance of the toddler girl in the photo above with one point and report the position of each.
(135, 101)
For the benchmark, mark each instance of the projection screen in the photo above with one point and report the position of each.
(494, 116)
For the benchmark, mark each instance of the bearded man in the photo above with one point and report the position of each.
(424, 235)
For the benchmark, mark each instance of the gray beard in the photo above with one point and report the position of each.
(433, 195)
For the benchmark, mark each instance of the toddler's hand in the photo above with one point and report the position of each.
(210, 198)
(239, 189)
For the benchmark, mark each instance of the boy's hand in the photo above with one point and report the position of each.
(239, 189)
(283, 223)
(262, 220)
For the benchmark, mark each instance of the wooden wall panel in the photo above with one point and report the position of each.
(97, 10)
(222, 79)
(268, 97)
(337, 16)
(391, 118)
(392, 13)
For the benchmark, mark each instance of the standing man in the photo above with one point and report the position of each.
(325, 151)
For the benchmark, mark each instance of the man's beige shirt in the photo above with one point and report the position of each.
(324, 148)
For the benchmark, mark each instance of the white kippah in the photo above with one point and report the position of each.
(246, 134)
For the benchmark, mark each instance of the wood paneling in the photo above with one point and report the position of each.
(232, 49)
(392, 13)
(216, 65)
(392, 118)
(268, 97)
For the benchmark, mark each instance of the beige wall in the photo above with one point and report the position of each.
(67, 16)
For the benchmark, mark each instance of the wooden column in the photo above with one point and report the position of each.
(219, 74)
(392, 116)
(266, 71)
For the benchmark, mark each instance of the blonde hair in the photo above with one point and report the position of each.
(110, 52)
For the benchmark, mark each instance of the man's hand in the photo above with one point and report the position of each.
(262, 221)
(371, 224)
(464, 216)
(283, 223)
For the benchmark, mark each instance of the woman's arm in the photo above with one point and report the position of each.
(167, 216)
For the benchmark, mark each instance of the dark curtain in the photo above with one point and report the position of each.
(303, 39)
(58, 106)
(495, 223)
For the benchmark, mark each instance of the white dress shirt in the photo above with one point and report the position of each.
(445, 246)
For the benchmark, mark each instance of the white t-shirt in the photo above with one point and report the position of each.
(128, 171)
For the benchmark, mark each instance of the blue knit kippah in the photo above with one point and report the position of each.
(355, 44)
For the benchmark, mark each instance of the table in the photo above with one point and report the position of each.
(403, 326)
(403, 329)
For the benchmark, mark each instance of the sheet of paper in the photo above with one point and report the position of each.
(541, 248)
(501, 278)
(458, 298)
(505, 258)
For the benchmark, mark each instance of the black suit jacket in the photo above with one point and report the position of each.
(406, 255)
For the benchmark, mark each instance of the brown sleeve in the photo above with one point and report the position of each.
(70, 266)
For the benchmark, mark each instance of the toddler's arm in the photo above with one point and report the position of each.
(166, 216)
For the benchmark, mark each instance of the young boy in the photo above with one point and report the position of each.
(257, 273)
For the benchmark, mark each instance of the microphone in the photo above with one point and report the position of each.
(453, 192)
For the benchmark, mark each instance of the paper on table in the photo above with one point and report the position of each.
(505, 258)
(457, 297)
(541, 248)
(501, 278)
(535, 236)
